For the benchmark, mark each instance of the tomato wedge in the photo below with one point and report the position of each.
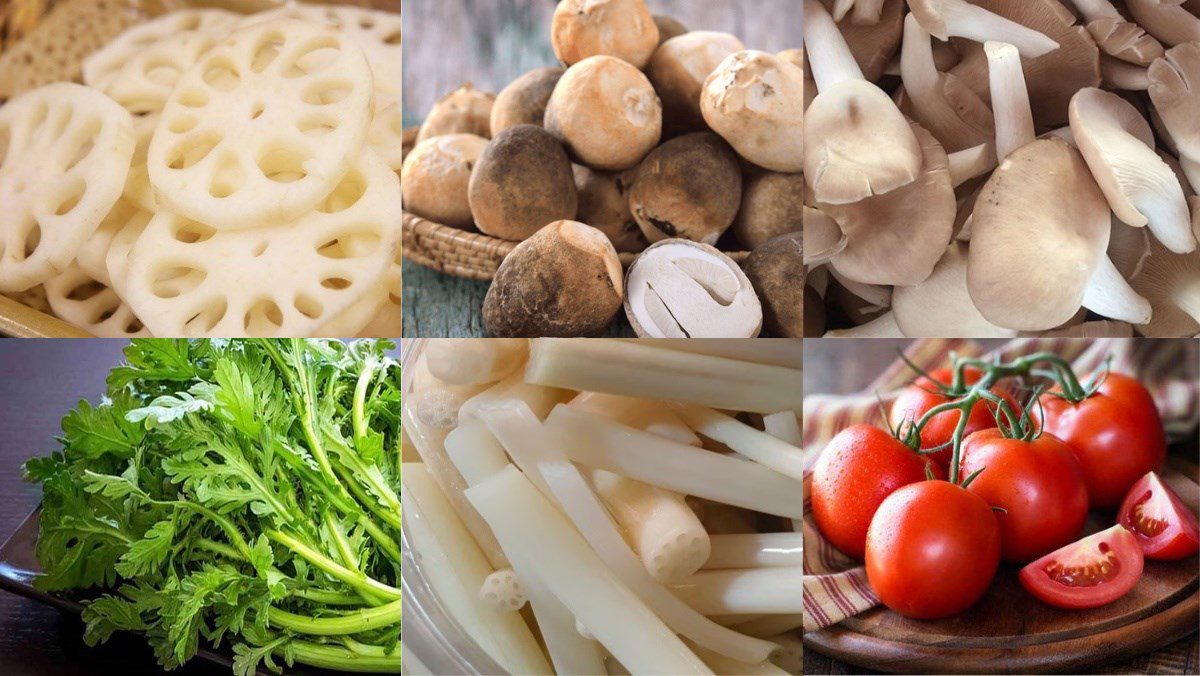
(1162, 524)
(1096, 570)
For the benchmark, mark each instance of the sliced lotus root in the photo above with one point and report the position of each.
(102, 67)
(137, 183)
(116, 260)
(92, 257)
(354, 319)
(79, 299)
(386, 136)
(376, 32)
(143, 84)
(34, 298)
(189, 279)
(387, 317)
(64, 155)
(250, 137)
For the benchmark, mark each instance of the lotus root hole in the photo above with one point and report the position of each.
(33, 237)
(346, 194)
(182, 124)
(192, 149)
(69, 196)
(193, 98)
(264, 317)
(260, 248)
(61, 118)
(314, 56)
(221, 74)
(162, 72)
(327, 92)
(174, 281)
(206, 319)
(308, 306)
(317, 125)
(283, 163)
(86, 291)
(257, 110)
(336, 283)
(85, 144)
(228, 177)
(349, 245)
(192, 232)
(267, 51)
(392, 38)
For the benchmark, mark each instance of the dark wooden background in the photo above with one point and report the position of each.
(490, 43)
(840, 366)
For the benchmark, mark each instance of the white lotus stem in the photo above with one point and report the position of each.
(652, 416)
(724, 665)
(1010, 99)
(539, 398)
(462, 361)
(503, 590)
(756, 550)
(757, 590)
(783, 426)
(475, 452)
(785, 352)
(744, 439)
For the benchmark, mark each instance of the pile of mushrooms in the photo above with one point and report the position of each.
(997, 168)
(652, 140)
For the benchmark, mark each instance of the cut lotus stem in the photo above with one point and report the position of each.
(664, 531)
(464, 361)
(652, 416)
(724, 665)
(958, 18)
(455, 568)
(647, 372)
(539, 398)
(504, 590)
(758, 590)
(772, 352)
(1010, 98)
(475, 452)
(539, 535)
(971, 163)
(602, 444)
(1109, 295)
(756, 550)
(744, 439)
(784, 426)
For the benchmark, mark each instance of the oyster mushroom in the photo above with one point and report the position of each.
(940, 306)
(1171, 282)
(683, 289)
(959, 18)
(883, 326)
(1175, 91)
(954, 114)
(1166, 20)
(1118, 145)
(1117, 37)
(858, 144)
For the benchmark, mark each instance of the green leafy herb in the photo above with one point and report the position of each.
(234, 490)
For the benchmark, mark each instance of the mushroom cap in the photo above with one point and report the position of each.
(564, 281)
(465, 110)
(606, 113)
(1175, 91)
(1052, 78)
(683, 289)
(1038, 232)
(1171, 282)
(668, 27)
(858, 144)
(678, 70)
(1140, 187)
(623, 29)
(1166, 20)
(898, 237)
(776, 270)
(522, 182)
(689, 187)
(436, 177)
(524, 100)
(772, 205)
(874, 45)
(940, 306)
(1125, 40)
(604, 205)
(755, 101)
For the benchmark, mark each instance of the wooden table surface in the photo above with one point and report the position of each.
(840, 366)
(490, 43)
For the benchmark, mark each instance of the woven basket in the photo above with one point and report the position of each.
(470, 255)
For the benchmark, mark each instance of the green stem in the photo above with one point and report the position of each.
(350, 623)
(341, 659)
(334, 569)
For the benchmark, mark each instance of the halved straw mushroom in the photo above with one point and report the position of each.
(948, 109)
(1166, 20)
(959, 18)
(1040, 231)
(858, 143)
(898, 237)
(1117, 37)
(1118, 145)
(1175, 91)
(941, 306)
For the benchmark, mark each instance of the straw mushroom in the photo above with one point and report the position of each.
(689, 187)
(678, 70)
(684, 289)
(1166, 20)
(941, 305)
(619, 28)
(754, 100)
(858, 142)
(879, 252)
(772, 205)
(606, 113)
(1117, 37)
(668, 28)
(525, 99)
(1175, 91)
(1141, 188)
(604, 205)
(436, 177)
(959, 18)
(954, 114)
(776, 270)
(465, 110)
(522, 182)
(564, 281)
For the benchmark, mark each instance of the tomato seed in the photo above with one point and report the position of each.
(1144, 523)
(1089, 575)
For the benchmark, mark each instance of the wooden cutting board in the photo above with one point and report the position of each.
(1009, 631)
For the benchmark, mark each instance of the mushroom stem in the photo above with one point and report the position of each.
(1167, 21)
(1109, 295)
(971, 163)
(1118, 74)
(867, 12)
(883, 326)
(840, 8)
(829, 56)
(1010, 98)
(927, 91)
(964, 20)
(1096, 9)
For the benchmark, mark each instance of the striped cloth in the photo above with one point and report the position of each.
(835, 586)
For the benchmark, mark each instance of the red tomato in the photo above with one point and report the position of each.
(1098, 569)
(859, 467)
(1116, 434)
(932, 550)
(923, 394)
(1038, 483)
(1159, 520)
